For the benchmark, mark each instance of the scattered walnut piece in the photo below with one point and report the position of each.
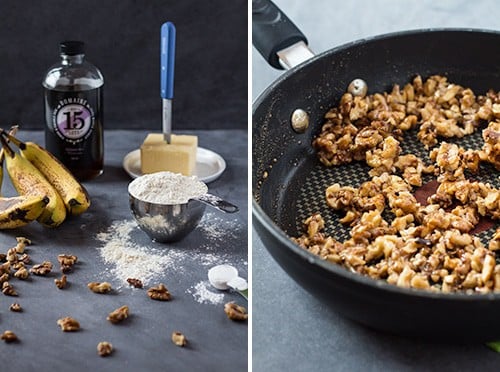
(8, 289)
(22, 273)
(134, 282)
(61, 282)
(4, 277)
(67, 259)
(25, 258)
(118, 315)
(15, 307)
(9, 336)
(235, 312)
(159, 293)
(23, 240)
(179, 339)
(104, 348)
(42, 269)
(12, 255)
(18, 265)
(68, 324)
(97, 287)
(5, 268)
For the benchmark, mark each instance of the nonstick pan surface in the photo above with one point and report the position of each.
(289, 182)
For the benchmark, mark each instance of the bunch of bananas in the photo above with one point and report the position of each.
(48, 192)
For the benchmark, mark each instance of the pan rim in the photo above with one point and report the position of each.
(335, 269)
(374, 38)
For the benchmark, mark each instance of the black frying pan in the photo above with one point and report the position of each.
(288, 181)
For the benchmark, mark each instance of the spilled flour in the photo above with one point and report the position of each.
(125, 258)
(202, 293)
(129, 259)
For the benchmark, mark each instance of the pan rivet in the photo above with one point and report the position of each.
(300, 120)
(358, 87)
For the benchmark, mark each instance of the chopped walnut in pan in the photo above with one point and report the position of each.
(97, 287)
(118, 315)
(235, 312)
(68, 324)
(104, 348)
(159, 293)
(393, 237)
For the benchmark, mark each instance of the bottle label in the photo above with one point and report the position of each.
(73, 119)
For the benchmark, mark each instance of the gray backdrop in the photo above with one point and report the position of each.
(122, 39)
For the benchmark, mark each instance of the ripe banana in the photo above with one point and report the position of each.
(18, 211)
(28, 180)
(74, 195)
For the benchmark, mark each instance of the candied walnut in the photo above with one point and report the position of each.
(118, 315)
(42, 269)
(179, 339)
(61, 282)
(15, 307)
(134, 282)
(491, 147)
(8, 289)
(104, 348)
(494, 244)
(68, 324)
(235, 312)
(159, 293)
(22, 273)
(98, 287)
(9, 336)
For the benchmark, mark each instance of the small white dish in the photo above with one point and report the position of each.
(209, 165)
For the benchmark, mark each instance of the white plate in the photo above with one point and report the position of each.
(209, 165)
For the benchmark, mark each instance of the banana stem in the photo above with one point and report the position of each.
(13, 139)
(6, 146)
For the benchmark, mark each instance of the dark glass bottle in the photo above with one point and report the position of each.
(73, 95)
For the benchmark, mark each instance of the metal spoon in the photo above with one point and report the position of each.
(218, 203)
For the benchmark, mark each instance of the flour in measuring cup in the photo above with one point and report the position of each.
(166, 188)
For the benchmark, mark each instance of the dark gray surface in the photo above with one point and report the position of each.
(142, 342)
(123, 41)
(293, 331)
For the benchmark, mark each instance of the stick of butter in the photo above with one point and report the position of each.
(178, 157)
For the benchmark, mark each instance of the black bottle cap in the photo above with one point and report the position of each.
(72, 48)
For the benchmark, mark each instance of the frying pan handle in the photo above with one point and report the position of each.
(272, 31)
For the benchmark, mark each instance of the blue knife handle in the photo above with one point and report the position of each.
(167, 59)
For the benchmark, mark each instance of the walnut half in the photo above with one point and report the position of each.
(68, 324)
(104, 348)
(9, 336)
(159, 293)
(235, 312)
(97, 287)
(118, 315)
